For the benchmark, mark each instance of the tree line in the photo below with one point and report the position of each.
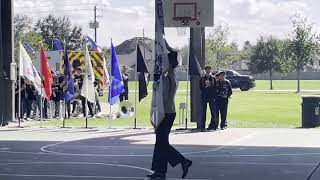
(269, 54)
(45, 30)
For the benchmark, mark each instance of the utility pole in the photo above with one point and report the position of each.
(95, 24)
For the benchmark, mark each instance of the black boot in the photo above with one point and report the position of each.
(157, 176)
(185, 167)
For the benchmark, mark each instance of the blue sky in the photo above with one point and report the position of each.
(124, 19)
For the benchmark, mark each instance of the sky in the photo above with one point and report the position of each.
(125, 19)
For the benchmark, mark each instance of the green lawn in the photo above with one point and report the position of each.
(288, 85)
(263, 85)
(247, 109)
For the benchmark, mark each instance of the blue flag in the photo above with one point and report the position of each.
(117, 86)
(57, 45)
(68, 89)
(28, 47)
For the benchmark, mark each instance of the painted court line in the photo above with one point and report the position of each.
(43, 148)
(79, 163)
(150, 155)
(263, 164)
(219, 148)
(86, 177)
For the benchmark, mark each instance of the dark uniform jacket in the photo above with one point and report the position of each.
(126, 77)
(224, 90)
(209, 91)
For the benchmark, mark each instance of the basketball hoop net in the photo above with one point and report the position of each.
(182, 31)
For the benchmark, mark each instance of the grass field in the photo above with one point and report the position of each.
(247, 109)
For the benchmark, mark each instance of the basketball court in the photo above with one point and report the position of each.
(56, 154)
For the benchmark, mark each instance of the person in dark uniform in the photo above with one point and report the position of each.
(125, 77)
(97, 90)
(57, 96)
(164, 153)
(208, 93)
(31, 97)
(224, 92)
(79, 78)
(67, 108)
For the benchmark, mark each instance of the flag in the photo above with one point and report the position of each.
(37, 82)
(68, 89)
(46, 74)
(57, 44)
(117, 86)
(194, 66)
(25, 64)
(161, 65)
(106, 78)
(94, 45)
(28, 47)
(27, 69)
(97, 49)
(143, 75)
(88, 90)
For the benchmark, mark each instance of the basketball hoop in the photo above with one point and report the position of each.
(188, 13)
(182, 30)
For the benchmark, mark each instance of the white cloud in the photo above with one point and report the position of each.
(123, 19)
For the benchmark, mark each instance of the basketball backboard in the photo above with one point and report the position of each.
(188, 13)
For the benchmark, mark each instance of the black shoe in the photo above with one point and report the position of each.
(185, 167)
(211, 128)
(157, 175)
(224, 128)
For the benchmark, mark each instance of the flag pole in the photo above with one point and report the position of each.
(19, 98)
(41, 102)
(136, 86)
(64, 100)
(187, 94)
(65, 114)
(110, 112)
(19, 93)
(86, 105)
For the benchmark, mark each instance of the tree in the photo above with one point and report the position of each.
(303, 46)
(61, 28)
(284, 57)
(220, 53)
(246, 50)
(34, 39)
(264, 57)
(22, 24)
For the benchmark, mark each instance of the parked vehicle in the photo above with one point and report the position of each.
(244, 82)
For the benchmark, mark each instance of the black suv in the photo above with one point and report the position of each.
(240, 81)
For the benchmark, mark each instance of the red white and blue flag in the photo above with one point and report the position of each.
(94, 45)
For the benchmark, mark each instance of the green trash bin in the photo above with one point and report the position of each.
(310, 111)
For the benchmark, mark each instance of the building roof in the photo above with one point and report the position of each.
(129, 46)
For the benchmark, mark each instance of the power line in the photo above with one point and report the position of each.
(53, 10)
(46, 6)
